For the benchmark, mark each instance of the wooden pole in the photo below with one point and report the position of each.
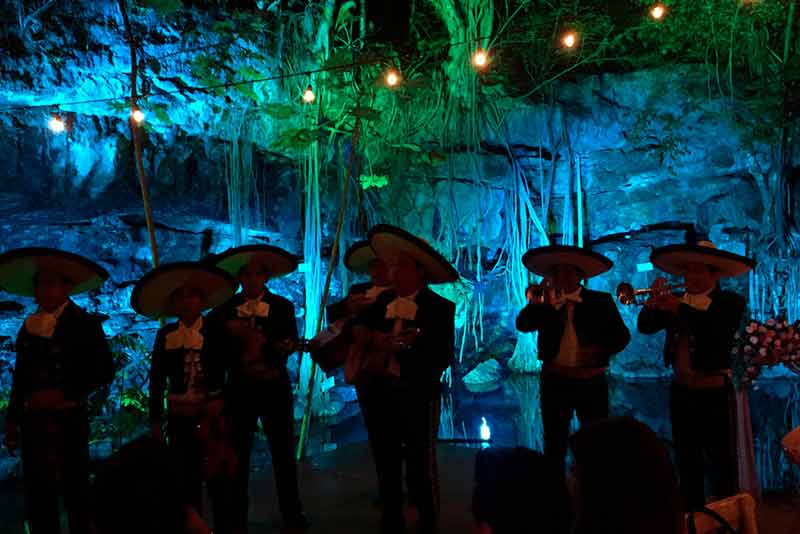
(340, 224)
(136, 135)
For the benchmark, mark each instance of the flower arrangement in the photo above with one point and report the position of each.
(760, 345)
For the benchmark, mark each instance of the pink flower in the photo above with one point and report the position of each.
(762, 351)
(754, 340)
(762, 329)
(748, 348)
(771, 322)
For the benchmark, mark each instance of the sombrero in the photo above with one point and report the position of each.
(386, 239)
(152, 294)
(276, 261)
(674, 259)
(19, 266)
(543, 260)
(359, 257)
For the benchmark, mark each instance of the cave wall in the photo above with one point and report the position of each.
(80, 188)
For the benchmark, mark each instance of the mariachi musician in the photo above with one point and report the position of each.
(700, 327)
(579, 331)
(62, 358)
(187, 362)
(260, 333)
(359, 259)
(403, 344)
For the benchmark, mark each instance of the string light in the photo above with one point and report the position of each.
(480, 59)
(392, 77)
(138, 116)
(56, 124)
(308, 95)
(658, 11)
(570, 39)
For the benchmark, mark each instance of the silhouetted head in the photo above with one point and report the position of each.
(187, 303)
(252, 277)
(51, 289)
(379, 273)
(567, 278)
(518, 491)
(623, 480)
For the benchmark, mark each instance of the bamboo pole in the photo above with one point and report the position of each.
(136, 132)
(334, 251)
(579, 194)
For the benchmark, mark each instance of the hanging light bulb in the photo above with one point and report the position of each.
(56, 124)
(480, 59)
(392, 77)
(137, 115)
(570, 39)
(308, 95)
(658, 11)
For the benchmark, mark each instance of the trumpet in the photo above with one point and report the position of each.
(627, 295)
(537, 293)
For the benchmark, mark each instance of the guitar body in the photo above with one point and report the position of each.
(366, 359)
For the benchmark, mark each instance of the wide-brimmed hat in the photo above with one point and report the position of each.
(18, 267)
(359, 257)
(674, 259)
(276, 261)
(152, 294)
(386, 239)
(543, 260)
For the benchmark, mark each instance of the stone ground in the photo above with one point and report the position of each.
(339, 495)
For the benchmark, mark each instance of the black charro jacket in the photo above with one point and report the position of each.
(596, 320)
(421, 365)
(77, 360)
(167, 366)
(711, 332)
(280, 324)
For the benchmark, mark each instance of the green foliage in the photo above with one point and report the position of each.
(368, 180)
(295, 139)
(165, 7)
(279, 111)
(160, 113)
(365, 113)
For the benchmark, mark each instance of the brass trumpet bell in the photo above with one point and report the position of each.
(627, 295)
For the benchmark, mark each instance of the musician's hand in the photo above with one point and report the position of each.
(589, 353)
(406, 338)
(156, 432)
(215, 407)
(11, 440)
(46, 399)
(667, 303)
(285, 347)
(358, 303)
(659, 286)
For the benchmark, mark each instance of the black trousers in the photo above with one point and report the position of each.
(55, 462)
(395, 415)
(183, 441)
(703, 434)
(560, 396)
(272, 404)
